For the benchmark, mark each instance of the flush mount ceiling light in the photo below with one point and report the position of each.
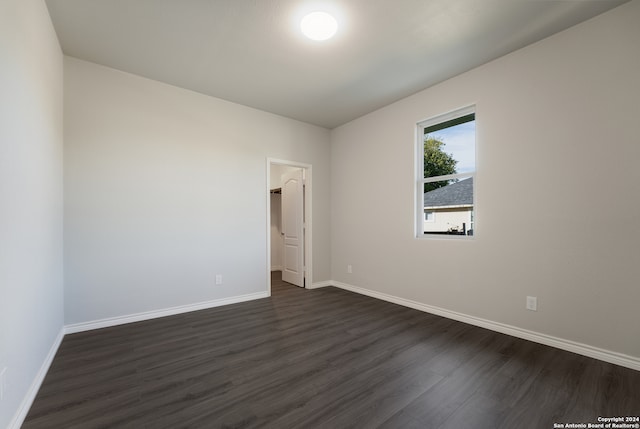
(319, 26)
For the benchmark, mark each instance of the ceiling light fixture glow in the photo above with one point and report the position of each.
(319, 26)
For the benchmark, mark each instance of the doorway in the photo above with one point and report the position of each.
(289, 225)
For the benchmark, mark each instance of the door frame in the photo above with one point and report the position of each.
(308, 259)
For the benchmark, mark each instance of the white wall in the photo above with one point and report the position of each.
(165, 188)
(31, 295)
(445, 219)
(558, 154)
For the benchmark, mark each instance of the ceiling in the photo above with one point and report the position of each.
(251, 51)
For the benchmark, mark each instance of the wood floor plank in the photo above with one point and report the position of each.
(479, 411)
(440, 403)
(323, 358)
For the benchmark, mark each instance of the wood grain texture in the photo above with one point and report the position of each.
(323, 358)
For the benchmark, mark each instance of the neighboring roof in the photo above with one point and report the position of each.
(456, 194)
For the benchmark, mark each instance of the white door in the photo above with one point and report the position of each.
(293, 227)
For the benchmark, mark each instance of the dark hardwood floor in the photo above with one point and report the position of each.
(323, 358)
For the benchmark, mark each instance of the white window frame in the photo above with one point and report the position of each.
(426, 217)
(421, 180)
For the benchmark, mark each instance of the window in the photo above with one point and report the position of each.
(446, 167)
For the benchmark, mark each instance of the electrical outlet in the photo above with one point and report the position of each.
(3, 383)
(532, 303)
(218, 279)
(349, 269)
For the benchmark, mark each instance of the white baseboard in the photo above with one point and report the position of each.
(560, 343)
(121, 320)
(27, 402)
(276, 268)
(318, 285)
(25, 406)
